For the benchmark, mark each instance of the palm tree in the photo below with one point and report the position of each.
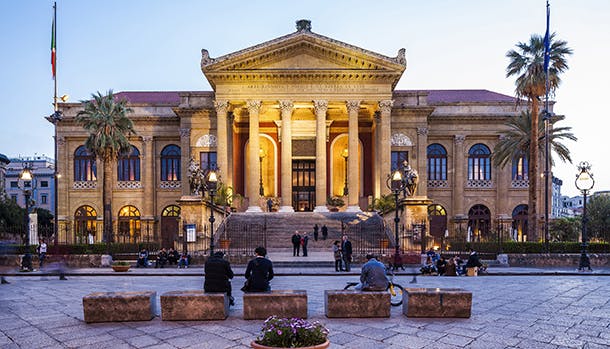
(516, 141)
(105, 119)
(527, 64)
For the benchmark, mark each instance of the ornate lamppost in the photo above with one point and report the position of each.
(26, 179)
(211, 183)
(584, 182)
(345, 155)
(396, 184)
(261, 156)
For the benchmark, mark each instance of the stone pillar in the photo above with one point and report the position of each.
(421, 163)
(385, 146)
(222, 144)
(253, 157)
(320, 107)
(148, 176)
(458, 175)
(353, 181)
(185, 149)
(286, 164)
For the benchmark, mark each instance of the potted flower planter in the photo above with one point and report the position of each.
(319, 346)
(121, 268)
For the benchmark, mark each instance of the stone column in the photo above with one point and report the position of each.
(253, 157)
(421, 163)
(458, 176)
(221, 107)
(148, 177)
(286, 164)
(185, 150)
(320, 107)
(385, 146)
(353, 181)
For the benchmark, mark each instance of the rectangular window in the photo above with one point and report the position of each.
(44, 184)
(208, 160)
(14, 185)
(398, 159)
(43, 199)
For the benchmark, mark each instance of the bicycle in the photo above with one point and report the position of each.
(395, 289)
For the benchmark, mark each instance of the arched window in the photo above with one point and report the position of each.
(84, 165)
(85, 224)
(520, 168)
(479, 223)
(170, 163)
(519, 226)
(129, 224)
(479, 162)
(128, 169)
(437, 162)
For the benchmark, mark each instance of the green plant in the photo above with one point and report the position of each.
(335, 201)
(291, 333)
(120, 263)
(384, 204)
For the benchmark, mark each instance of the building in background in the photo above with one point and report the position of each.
(43, 185)
(4, 161)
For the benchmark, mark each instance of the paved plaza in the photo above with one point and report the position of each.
(508, 311)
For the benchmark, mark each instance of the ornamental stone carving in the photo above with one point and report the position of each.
(401, 140)
(208, 140)
(386, 106)
(422, 131)
(61, 141)
(320, 106)
(286, 106)
(253, 106)
(147, 139)
(205, 57)
(221, 107)
(352, 106)
(459, 139)
(400, 58)
(185, 132)
(303, 25)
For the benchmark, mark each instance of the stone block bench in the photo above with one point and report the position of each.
(356, 304)
(436, 302)
(194, 305)
(283, 303)
(119, 306)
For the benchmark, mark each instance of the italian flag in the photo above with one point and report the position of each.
(53, 47)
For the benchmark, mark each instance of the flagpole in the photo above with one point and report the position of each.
(54, 47)
(547, 116)
(55, 118)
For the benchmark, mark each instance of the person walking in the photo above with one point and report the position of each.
(304, 241)
(337, 255)
(42, 252)
(218, 274)
(324, 232)
(315, 232)
(346, 250)
(259, 272)
(296, 244)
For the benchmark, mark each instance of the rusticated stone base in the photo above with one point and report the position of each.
(283, 303)
(194, 305)
(351, 303)
(436, 302)
(119, 306)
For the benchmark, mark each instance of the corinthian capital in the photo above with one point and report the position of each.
(352, 106)
(422, 131)
(221, 107)
(253, 106)
(459, 139)
(320, 106)
(386, 106)
(286, 106)
(185, 132)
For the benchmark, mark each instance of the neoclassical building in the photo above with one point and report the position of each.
(300, 118)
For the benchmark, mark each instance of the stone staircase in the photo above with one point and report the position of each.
(274, 230)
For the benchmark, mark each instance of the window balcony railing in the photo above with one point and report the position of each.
(79, 185)
(520, 183)
(170, 185)
(129, 185)
(438, 183)
(479, 183)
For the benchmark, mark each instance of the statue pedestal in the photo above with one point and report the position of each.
(192, 211)
(416, 210)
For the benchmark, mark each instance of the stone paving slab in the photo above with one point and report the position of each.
(507, 312)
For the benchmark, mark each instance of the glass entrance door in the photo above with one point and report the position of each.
(303, 185)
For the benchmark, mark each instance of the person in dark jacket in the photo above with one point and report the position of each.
(296, 243)
(218, 274)
(346, 249)
(473, 260)
(259, 271)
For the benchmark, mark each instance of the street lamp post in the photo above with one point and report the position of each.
(211, 184)
(396, 184)
(584, 183)
(26, 178)
(345, 155)
(261, 156)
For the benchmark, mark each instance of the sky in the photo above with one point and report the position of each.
(155, 45)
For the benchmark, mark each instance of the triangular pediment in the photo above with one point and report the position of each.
(299, 53)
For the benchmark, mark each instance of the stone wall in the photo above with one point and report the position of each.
(556, 260)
